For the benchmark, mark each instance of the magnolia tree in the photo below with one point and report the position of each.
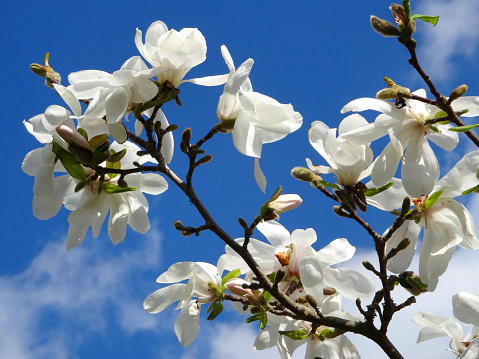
(96, 163)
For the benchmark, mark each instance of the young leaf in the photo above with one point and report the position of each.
(294, 334)
(83, 133)
(114, 165)
(253, 318)
(330, 185)
(473, 189)
(374, 191)
(70, 162)
(233, 274)
(434, 197)
(426, 18)
(216, 310)
(463, 128)
(263, 319)
(113, 188)
(76, 171)
(267, 296)
(116, 156)
(98, 141)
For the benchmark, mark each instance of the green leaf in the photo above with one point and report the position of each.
(263, 319)
(294, 334)
(83, 133)
(253, 318)
(267, 296)
(264, 207)
(216, 309)
(416, 283)
(329, 333)
(113, 188)
(463, 128)
(98, 141)
(374, 191)
(114, 165)
(76, 171)
(470, 190)
(330, 185)
(272, 277)
(116, 156)
(434, 197)
(440, 114)
(70, 162)
(426, 18)
(233, 274)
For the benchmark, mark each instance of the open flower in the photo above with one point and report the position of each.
(325, 342)
(294, 254)
(112, 95)
(198, 275)
(466, 308)
(348, 161)
(172, 52)
(408, 130)
(446, 222)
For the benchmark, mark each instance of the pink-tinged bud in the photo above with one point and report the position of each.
(72, 137)
(235, 286)
(254, 297)
(285, 202)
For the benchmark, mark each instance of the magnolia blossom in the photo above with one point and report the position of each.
(465, 308)
(334, 346)
(170, 52)
(408, 130)
(198, 275)
(258, 119)
(294, 255)
(112, 95)
(446, 222)
(348, 161)
(91, 203)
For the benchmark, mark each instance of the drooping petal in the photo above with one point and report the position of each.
(276, 234)
(259, 175)
(116, 105)
(162, 298)
(187, 324)
(465, 307)
(402, 260)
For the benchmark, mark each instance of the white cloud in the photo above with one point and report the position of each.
(455, 37)
(48, 308)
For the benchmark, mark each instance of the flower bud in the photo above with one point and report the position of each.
(186, 136)
(406, 204)
(204, 160)
(383, 27)
(303, 174)
(458, 92)
(283, 203)
(72, 137)
(412, 283)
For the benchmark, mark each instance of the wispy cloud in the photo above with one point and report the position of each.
(46, 309)
(455, 37)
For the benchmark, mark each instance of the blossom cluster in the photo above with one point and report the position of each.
(92, 163)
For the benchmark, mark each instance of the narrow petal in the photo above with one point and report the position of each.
(187, 324)
(259, 175)
(162, 298)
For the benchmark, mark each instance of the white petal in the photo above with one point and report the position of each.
(349, 282)
(276, 234)
(461, 177)
(118, 132)
(187, 324)
(304, 237)
(420, 171)
(465, 307)
(245, 137)
(311, 273)
(176, 272)
(162, 298)
(259, 175)
(402, 260)
(116, 105)
(69, 99)
(337, 251)
(210, 80)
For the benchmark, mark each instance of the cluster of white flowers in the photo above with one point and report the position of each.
(80, 169)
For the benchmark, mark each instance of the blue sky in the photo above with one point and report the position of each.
(88, 303)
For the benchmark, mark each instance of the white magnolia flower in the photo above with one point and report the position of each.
(446, 222)
(90, 204)
(112, 95)
(293, 254)
(172, 53)
(198, 275)
(348, 161)
(335, 346)
(407, 130)
(466, 308)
